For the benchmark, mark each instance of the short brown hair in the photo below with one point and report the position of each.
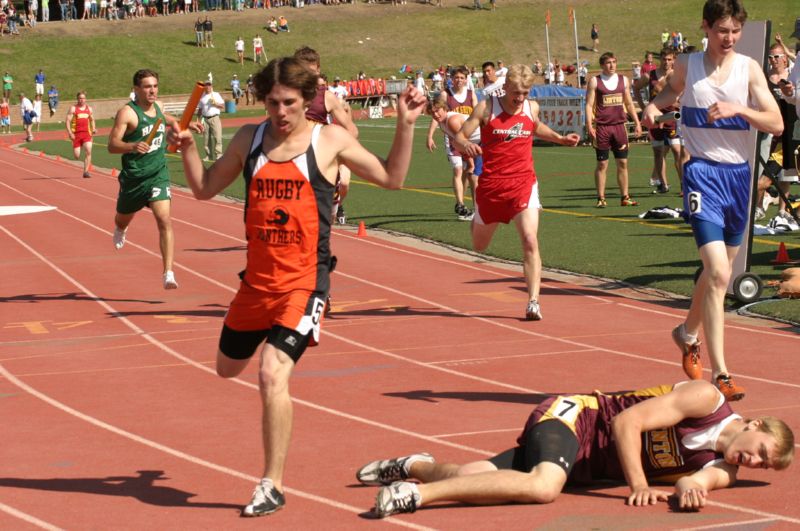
(307, 55)
(143, 73)
(715, 10)
(289, 72)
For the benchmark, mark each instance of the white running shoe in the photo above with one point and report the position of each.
(119, 238)
(399, 497)
(387, 471)
(533, 312)
(266, 500)
(169, 280)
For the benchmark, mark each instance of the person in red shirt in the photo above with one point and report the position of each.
(80, 128)
(507, 190)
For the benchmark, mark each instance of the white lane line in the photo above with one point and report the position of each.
(28, 518)
(177, 453)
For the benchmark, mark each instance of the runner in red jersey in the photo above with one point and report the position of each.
(507, 190)
(290, 166)
(684, 434)
(80, 128)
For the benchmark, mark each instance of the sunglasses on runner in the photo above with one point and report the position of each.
(775, 56)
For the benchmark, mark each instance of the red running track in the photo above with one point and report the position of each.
(112, 416)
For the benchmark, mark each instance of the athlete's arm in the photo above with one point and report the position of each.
(544, 132)
(692, 491)
(207, 183)
(340, 113)
(125, 121)
(389, 173)
(476, 119)
(641, 83)
(591, 87)
(434, 125)
(70, 114)
(670, 92)
(92, 124)
(628, 101)
(690, 400)
(766, 117)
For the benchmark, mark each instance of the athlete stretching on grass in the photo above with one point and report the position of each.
(687, 430)
(290, 166)
(507, 190)
(718, 86)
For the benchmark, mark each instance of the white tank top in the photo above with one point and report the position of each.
(727, 140)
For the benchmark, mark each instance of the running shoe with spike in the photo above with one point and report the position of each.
(266, 500)
(399, 497)
(692, 365)
(387, 471)
(533, 312)
(728, 387)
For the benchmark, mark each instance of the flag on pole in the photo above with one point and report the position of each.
(547, 17)
(571, 16)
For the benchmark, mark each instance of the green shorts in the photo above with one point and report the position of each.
(135, 194)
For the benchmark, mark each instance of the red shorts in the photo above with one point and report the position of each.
(613, 137)
(81, 138)
(501, 204)
(259, 50)
(299, 310)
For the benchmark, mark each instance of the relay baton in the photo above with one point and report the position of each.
(153, 131)
(188, 111)
(673, 116)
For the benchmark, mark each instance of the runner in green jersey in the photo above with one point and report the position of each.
(139, 134)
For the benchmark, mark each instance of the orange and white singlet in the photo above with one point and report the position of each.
(287, 220)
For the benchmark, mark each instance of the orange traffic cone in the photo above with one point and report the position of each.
(41, 153)
(113, 172)
(58, 158)
(783, 256)
(24, 150)
(362, 230)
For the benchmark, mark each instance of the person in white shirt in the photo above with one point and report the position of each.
(25, 109)
(338, 89)
(209, 108)
(239, 45)
(419, 83)
(501, 69)
(258, 49)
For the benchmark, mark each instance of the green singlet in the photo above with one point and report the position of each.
(144, 177)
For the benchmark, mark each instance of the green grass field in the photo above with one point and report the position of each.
(575, 236)
(100, 57)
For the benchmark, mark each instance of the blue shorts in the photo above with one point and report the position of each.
(478, 166)
(717, 194)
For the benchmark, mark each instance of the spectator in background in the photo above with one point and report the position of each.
(258, 49)
(8, 85)
(26, 110)
(272, 25)
(5, 117)
(64, 5)
(419, 83)
(38, 81)
(52, 99)
(208, 33)
(36, 118)
(199, 38)
(649, 65)
(209, 109)
(341, 92)
(239, 47)
(45, 10)
(583, 73)
(236, 89)
(595, 35)
(501, 71)
(283, 24)
(665, 38)
(250, 91)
